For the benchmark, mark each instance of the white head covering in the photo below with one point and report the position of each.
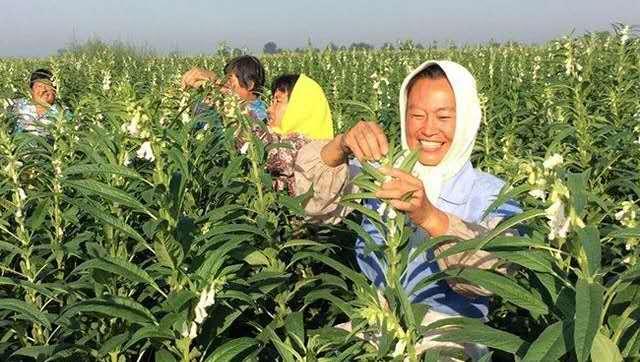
(468, 118)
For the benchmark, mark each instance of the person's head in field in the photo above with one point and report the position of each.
(299, 105)
(430, 114)
(245, 77)
(41, 87)
(281, 89)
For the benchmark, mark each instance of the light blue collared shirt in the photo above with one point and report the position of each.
(467, 195)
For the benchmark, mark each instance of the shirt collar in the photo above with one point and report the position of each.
(457, 189)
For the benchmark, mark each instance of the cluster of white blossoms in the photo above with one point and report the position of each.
(378, 80)
(536, 66)
(628, 217)
(550, 188)
(184, 103)
(146, 152)
(571, 65)
(106, 80)
(207, 299)
(136, 126)
(541, 177)
(624, 34)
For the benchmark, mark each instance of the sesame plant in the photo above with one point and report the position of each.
(137, 230)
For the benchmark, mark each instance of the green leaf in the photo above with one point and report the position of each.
(502, 286)
(590, 239)
(370, 244)
(287, 352)
(115, 307)
(506, 194)
(234, 350)
(325, 294)
(146, 333)
(553, 343)
(474, 331)
(232, 170)
(603, 349)
(589, 299)
(577, 185)
(121, 267)
(218, 214)
(169, 252)
(164, 356)
(537, 260)
(105, 168)
(356, 277)
(10, 247)
(295, 328)
(26, 310)
(257, 257)
(107, 192)
(371, 214)
(39, 215)
(109, 219)
(114, 344)
(176, 191)
(359, 196)
(301, 242)
(50, 352)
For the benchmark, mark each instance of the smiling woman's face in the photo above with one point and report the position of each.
(431, 119)
(43, 93)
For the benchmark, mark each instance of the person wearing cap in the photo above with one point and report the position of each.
(440, 116)
(33, 115)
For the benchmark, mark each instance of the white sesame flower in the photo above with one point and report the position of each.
(146, 152)
(106, 81)
(538, 194)
(400, 347)
(131, 127)
(624, 34)
(207, 298)
(189, 331)
(553, 161)
(558, 221)
(244, 148)
(391, 213)
(186, 118)
(21, 194)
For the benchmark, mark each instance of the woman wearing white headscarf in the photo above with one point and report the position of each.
(440, 115)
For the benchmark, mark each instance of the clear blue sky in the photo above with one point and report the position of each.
(38, 27)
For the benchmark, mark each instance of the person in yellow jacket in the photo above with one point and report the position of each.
(299, 113)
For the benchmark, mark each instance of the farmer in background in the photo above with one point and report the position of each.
(245, 78)
(34, 114)
(439, 117)
(299, 113)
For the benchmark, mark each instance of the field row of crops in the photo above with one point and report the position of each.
(132, 235)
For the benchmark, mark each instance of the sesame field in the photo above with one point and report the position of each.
(133, 233)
